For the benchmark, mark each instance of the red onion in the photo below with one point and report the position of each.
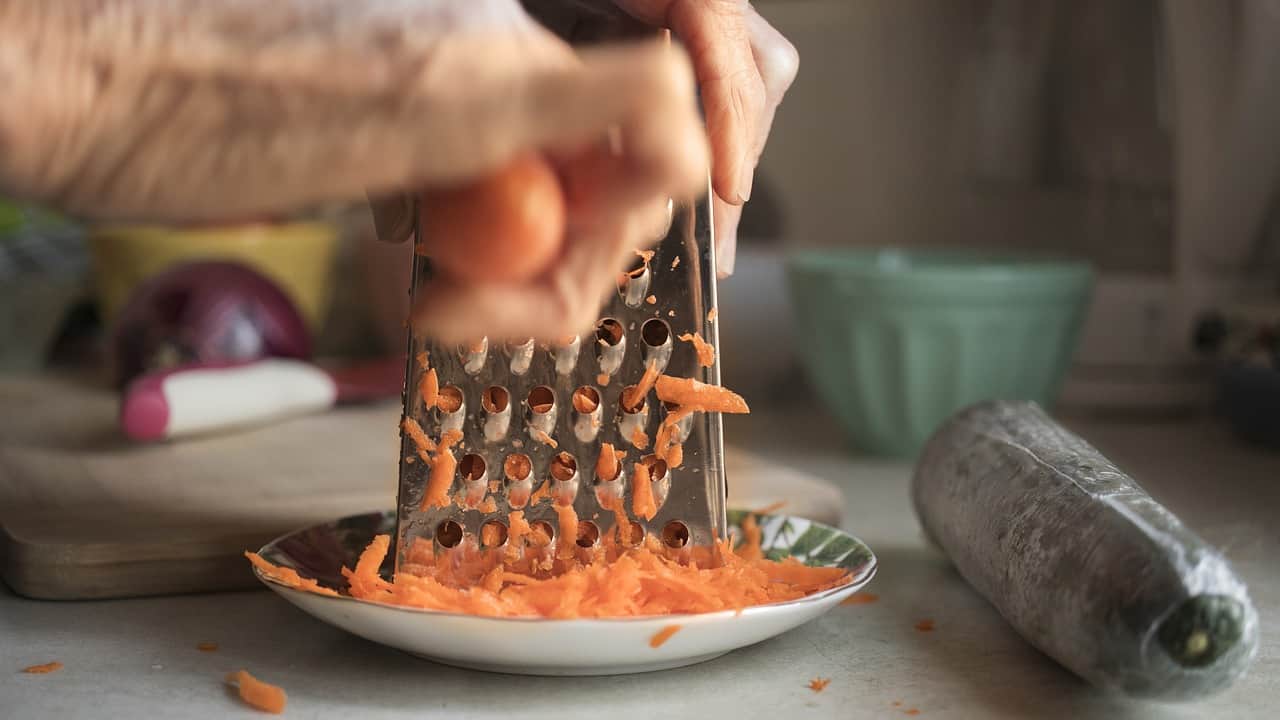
(206, 311)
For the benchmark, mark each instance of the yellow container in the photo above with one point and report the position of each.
(297, 256)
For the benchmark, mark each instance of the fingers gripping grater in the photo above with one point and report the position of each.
(511, 397)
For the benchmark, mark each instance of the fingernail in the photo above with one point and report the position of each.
(726, 252)
(745, 180)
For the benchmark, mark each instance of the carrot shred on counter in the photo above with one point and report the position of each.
(862, 598)
(443, 467)
(819, 684)
(43, 668)
(257, 694)
(706, 353)
(925, 625)
(661, 637)
(287, 576)
(207, 647)
(430, 389)
(699, 396)
(617, 581)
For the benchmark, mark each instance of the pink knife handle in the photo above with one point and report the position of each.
(207, 398)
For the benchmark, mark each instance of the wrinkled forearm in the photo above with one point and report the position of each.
(208, 109)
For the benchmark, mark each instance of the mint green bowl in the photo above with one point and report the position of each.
(895, 341)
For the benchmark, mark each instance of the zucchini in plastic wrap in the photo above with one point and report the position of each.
(1079, 559)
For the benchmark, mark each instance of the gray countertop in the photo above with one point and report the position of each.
(138, 657)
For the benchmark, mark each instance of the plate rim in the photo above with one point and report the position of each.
(859, 581)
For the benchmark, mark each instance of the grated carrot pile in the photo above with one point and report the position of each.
(523, 579)
(257, 694)
(706, 353)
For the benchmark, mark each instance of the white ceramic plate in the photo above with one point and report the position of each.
(529, 646)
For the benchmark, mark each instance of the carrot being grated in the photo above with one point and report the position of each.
(43, 669)
(819, 684)
(257, 694)
(706, 353)
(287, 576)
(661, 637)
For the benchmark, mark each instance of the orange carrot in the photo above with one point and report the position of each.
(642, 501)
(639, 439)
(43, 669)
(750, 547)
(419, 438)
(862, 598)
(925, 625)
(257, 694)
(443, 467)
(633, 397)
(543, 438)
(609, 463)
(819, 684)
(287, 576)
(706, 353)
(662, 636)
(652, 299)
(602, 379)
(207, 647)
(699, 396)
(430, 389)
(568, 536)
(674, 456)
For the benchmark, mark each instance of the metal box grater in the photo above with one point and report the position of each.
(505, 389)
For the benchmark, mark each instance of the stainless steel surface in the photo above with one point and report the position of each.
(680, 278)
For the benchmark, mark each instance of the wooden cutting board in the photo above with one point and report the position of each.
(86, 514)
